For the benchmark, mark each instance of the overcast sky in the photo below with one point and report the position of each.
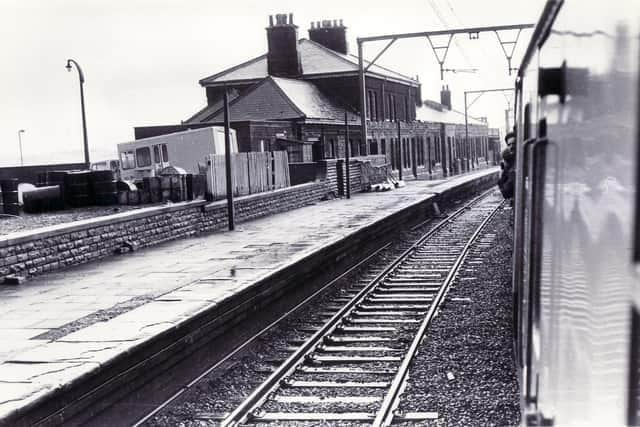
(142, 60)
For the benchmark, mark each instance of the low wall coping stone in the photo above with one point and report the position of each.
(258, 196)
(18, 237)
(24, 236)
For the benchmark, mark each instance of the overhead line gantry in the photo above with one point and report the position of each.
(440, 51)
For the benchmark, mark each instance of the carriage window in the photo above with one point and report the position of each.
(128, 160)
(527, 124)
(156, 154)
(143, 157)
(165, 153)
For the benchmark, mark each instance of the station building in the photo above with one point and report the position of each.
(298, 95)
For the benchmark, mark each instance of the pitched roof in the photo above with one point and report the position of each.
(277, 98)
(309, 100)
(430, 112)
(205, 114)
(317, 60)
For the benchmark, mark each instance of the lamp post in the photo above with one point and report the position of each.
(20, 132)
(84, 119)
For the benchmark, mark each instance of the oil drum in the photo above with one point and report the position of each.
(42, 199)
(103, 187)
(77, 188)
(9, 189)
(57, 178)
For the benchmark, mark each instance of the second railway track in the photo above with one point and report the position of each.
(354, 367)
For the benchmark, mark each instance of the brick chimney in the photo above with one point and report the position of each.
(445, 97)
(283, 58)
(330, 34)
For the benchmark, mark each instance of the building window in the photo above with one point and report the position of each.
(373, 146)
(372, 105)
(392, 107)
(407, 153)
(165, 153)
(143, 157)
(420, 150)
(362, 149)
(374, 111)
(383, 146)
(392, 151)
(406, 110)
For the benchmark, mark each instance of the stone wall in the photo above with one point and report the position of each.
(46, 249)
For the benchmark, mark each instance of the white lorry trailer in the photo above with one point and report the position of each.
(187, 150)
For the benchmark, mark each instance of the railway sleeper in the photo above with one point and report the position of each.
(313, 416)
(376, 321)
(344, 370)
(327, 348)
(424, 290)
(364, 329)
(334, 384)
(393, 307)
(333, 339)
(361, 400)
(388, 313)
(319, 359)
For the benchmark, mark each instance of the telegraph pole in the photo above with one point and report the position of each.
(227, 161)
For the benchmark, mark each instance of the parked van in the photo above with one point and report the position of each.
(111, 164)
(148, 156)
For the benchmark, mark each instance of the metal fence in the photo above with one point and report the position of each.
(253, 172)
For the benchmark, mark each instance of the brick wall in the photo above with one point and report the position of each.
(38, 251)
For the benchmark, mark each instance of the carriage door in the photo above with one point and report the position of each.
(160, 156)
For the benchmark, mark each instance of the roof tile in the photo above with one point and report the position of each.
(316, 59)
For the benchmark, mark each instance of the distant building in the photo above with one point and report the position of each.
(299, 91)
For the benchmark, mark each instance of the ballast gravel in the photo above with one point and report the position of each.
(465, 367)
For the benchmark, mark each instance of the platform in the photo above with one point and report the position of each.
(59, 328)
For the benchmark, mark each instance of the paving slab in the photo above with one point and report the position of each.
(103, 309)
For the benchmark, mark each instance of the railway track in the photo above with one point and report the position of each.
(354, 367)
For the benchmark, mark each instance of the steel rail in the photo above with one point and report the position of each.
(390, 402)
(257, 335)
(262, 392)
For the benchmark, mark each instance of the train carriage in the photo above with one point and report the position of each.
(576, 216)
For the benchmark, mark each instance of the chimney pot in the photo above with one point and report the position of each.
(291, 19)
(271, 20)
(313, 24)
(330, 34)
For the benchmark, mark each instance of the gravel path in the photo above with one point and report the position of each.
(465, 368)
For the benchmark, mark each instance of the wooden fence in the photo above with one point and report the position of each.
(253, 172)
